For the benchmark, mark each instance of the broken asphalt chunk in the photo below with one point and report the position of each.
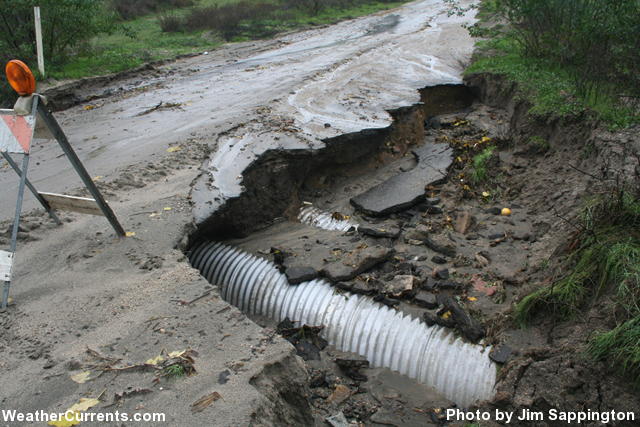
(404, 190)
(500, 353)
(386, 230)
(296, 275)
(306, 339)
(467, 325)
(442, 245)
(351, 368)
(356, 262)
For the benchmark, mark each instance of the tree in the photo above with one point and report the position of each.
(65, 24)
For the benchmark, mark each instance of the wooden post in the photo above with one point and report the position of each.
(36, 15)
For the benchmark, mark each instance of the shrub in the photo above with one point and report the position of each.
(596, 40)
(65, 24)
(170, 23)
(129, 9)
(227, 19)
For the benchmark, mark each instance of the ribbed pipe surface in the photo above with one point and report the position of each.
(432, 355)
(314, 216)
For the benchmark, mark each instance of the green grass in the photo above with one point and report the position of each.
(141, 40)
(539, 144)
(605, 264)
(550, 88)
(478, 172)
(174, 371)
(620, 347)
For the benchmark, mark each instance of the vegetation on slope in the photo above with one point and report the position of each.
(575, 58)
(567, 56)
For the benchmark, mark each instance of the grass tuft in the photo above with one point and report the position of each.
(174, 371)
(606, 262)
(620, 347)
(479, 173)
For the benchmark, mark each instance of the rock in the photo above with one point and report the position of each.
(432, 319)
(339, 395)
(433, 200)
(448, 284)
(296, 275)
(438, 259)
(359, 286)
(223, 377)
(414, 242)
(426, 300)
(279, 255)
(467, 325)
(351, 368)
(442, 245)
(356, 262)
(521, 235)
(386, 301)
(496, 236)
(306, 340)
(400, 285)
(386, 230)
(386, 417)
(500, 353)
(482, 259)
(494, 211)
(428, 284)
(481, 285)
(337, 420)
(433, 210)
(440, 273)
(464, 221)
(407, 189)
(429, 318)
(420, 232)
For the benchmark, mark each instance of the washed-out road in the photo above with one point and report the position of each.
(347, 75)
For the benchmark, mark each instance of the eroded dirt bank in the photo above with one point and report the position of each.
(451, 258)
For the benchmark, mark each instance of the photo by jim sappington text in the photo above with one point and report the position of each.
(525, 415)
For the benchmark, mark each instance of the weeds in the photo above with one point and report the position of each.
(568, 55)
(479, 173)
(620, 347)
(130, 9)
(605, 263)
(606, 260)
(539, 144)
(174, 371)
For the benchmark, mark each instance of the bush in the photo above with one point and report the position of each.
(170, 23)
(596, 40)
(65, 24)
(129, 9)
(227, 19)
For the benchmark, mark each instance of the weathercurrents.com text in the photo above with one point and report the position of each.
(10, 415)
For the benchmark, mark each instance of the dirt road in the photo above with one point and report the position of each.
(346, 75)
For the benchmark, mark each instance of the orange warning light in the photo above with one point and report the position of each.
(20, 77)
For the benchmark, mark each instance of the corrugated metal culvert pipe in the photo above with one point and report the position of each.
(432, 355)
(314, 216)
